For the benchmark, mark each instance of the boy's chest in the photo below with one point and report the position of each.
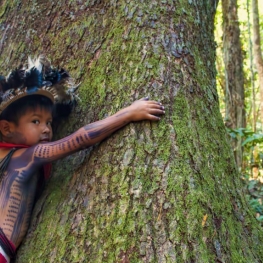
(14, 189)
(17, 199)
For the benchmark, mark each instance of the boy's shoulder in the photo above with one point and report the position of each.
(5, 151)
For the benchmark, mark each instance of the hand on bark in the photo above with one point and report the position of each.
(145, 109)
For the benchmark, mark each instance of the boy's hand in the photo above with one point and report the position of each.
(145, 109)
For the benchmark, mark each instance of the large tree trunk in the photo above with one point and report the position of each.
(234, 78)
(152, 192)
(258, 51)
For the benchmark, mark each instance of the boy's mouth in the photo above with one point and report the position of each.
(45, 140)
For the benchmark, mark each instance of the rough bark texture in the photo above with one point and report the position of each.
(258, 51)
(153, 192)
(234, 77)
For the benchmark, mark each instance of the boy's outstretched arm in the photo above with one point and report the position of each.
(139, 110)
(93, 133)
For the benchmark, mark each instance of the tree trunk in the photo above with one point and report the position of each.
(234, 78)
(258, 52)
(252, 114)
(152, 192)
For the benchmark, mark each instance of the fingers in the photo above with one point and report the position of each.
(150, 101)
(155, 106)
(153, 109)
(147, 101)
(145, 98)
(153, 118)
(156, 112)
(153, 114)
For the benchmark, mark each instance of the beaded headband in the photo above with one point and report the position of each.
(40, 78)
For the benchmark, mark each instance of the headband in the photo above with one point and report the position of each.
(40, 78)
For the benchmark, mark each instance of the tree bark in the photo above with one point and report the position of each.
(152, 192)
(258, 52)
(234, 77)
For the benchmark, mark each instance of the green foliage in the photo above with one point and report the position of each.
(250, 138)
(254, 197)
(253, 155)
(253, 139)
(251, 142)
(243, 132)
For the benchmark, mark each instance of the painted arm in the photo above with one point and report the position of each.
(95, 132)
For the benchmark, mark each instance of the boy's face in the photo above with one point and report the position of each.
(33, 127)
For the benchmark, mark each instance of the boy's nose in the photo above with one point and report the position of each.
(46, 129)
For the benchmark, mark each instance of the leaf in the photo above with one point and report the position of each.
(251, 184)
(260, 218)
(204, 220)
(255, 138)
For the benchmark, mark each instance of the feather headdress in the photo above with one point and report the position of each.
(39, 78)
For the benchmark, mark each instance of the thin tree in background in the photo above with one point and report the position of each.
(234, 78)
(257, 51)
(253, 154)
(252, 74)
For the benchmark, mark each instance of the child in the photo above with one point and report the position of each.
(26, 150)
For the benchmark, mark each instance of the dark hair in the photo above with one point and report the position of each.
(18, 108)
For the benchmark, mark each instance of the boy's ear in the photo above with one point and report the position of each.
(5, 128)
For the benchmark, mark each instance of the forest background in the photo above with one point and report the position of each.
(239, 38)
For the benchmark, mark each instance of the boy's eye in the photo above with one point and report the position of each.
(49, 123)
(36, 121)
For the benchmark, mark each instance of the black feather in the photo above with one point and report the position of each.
(33, 79)
(3, 84)
(60, 112)
(56, 75)
(15, 79)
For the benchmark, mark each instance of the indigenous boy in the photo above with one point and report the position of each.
(26, 128)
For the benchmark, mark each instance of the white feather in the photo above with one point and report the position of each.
(35, 63)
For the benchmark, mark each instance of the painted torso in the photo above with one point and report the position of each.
(17, 195)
